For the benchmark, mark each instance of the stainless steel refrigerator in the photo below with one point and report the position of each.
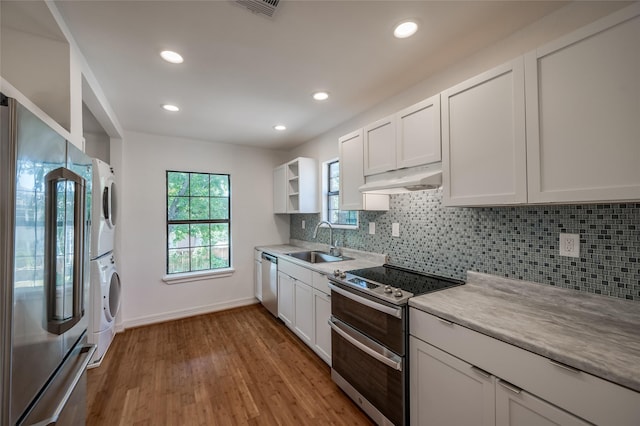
(45, 188)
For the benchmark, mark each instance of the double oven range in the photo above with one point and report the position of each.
(370, 336)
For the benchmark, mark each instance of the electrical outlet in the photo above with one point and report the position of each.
(395, 229)
(304, 224)
(372, 228)
(570, 245)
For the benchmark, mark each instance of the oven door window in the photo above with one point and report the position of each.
(382, 327)
(382, 385)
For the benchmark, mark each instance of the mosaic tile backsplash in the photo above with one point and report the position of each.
(516, 242)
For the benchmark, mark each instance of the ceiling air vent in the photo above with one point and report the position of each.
(266, 7)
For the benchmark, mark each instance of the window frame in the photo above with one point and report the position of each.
(199, 274)
(325, 198)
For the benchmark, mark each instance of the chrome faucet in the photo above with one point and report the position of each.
(333, 250)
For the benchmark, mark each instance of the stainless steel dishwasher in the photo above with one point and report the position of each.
(270, 283)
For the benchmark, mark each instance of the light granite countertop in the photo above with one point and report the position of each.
(596, 334)
(360, 259)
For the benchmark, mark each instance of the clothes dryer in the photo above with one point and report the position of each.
(105, 301)
(103, 210)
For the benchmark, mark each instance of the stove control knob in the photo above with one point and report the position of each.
(336, 272)
(397, 293)
(343, 274)
(387, 289)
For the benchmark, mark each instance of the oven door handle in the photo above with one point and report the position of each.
(366, 345)
(396, 312)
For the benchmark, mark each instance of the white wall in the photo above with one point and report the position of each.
(552, 26)
(96, 145)
(142, 258)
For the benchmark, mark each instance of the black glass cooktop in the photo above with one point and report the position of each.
(405, 279)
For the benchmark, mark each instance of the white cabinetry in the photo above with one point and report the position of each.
(305, 306)
(321, 313)
(583, 113)
(257, 274)
(541, 388)
(408, 138)
(303, 303)
(295, 186)
(483, 139)
(447, 391)
(352, 176)
(418, 138)
(286, 291)
(280, 189)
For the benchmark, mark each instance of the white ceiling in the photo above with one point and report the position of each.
(243, 73)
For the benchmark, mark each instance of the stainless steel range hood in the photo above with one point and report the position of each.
(405, 180)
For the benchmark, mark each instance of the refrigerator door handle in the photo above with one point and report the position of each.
(57, 322)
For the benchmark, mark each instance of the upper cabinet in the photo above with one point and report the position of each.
(352, 176)
(408, 138)
(581, 139)
(583, 114)
(483, 139)
(418, 134)
(295, 186)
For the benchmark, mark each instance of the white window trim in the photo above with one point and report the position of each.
(208, 274)
(325, 189)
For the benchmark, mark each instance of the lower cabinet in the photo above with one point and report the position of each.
(445, 390)
(304, 305)
(286, 291)
(303, 317)
(257, 274)
(322, 331)
(462, 377)
(515, 407)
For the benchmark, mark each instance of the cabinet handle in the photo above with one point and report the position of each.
(481, 372)
(564, 366)
(444, 321)
(510, 387)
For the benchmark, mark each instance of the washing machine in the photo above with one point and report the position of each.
(103, 209)
(105, 301)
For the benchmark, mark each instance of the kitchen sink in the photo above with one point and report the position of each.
(317, 256)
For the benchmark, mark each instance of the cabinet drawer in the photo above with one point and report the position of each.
(298, 272)
(321, 282)
(589, 397)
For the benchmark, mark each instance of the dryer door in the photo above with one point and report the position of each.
(109, 203)
(112, 303)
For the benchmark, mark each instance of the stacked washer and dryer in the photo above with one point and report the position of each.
(105, 283)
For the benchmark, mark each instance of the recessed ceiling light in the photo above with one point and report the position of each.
(170, 56)
(405, 29)
(280, 127)
(321, 96)
(170, 107)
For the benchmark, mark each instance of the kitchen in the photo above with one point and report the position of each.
(519, 242)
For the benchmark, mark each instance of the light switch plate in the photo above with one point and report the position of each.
(395, 229)
(570, 245)
(372, 228)
(304, 224)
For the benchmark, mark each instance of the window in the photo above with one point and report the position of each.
(198, 222)
(332, 212)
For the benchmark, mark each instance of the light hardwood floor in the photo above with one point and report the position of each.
(235, 367)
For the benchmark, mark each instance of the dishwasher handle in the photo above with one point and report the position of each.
(271, 258)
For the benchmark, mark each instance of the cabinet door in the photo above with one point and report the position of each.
(483, 139)
(351, 170)
(285, 299)
(445, 390)
(418, 138)
(303, 305)
(515, 407)
(280, 189)
(257, 279)
(380, 146)
(322, 330)
(583, 113)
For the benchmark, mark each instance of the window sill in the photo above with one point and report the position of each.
(197, 276)
(340, 226)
